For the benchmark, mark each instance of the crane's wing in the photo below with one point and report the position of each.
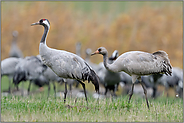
(142, 63)
(69, 65)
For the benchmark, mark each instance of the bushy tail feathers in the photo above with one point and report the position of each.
(167, 68)
(94, 79)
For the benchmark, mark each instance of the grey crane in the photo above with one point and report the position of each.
(137, 64)
(109, 79)
(30, 68)
(15, 51)
(176, 80)
(65, 64)
(8, 68)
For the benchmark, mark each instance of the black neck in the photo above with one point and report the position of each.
(46, 29)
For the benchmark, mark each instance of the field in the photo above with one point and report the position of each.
(39, 109)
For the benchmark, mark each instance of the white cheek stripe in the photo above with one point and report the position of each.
(46, 22)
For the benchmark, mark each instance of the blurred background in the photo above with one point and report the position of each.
(123, 26)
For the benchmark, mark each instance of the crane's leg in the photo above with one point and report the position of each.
(115, 89)
(65, 92)
(70, 87)
(134, 77)
(10, 84)
(106, 89)
(22, 92)
(48, 90)
(83, 85)
(28, 90)
(54, 86)
(154, 91)
(131, 93)
(145, 91)
(17, 87)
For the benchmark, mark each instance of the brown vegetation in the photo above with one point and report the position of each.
(145, 28)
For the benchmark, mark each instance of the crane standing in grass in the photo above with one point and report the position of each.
(8, 68)
(137, 64)
(66, 64)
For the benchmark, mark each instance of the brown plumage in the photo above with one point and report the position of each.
(137, 64)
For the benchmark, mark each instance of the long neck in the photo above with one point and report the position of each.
(108, 66)
(46, 30)
(14, 41)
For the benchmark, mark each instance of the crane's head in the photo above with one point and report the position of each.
(100, 50)
(43, 22)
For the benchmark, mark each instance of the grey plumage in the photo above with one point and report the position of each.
(50, 77)
(30, 68)
(176, 80)
(15, 51)
(137, 64)
(71, 82)
(110, 80)
(65, 64)
(8, 68)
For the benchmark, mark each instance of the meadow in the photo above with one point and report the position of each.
(40, 109)
(37, 108)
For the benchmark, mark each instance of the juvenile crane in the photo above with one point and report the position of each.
(65, 64)
(137, 64)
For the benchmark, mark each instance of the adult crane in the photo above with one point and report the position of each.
(65, 64)
(137, 64)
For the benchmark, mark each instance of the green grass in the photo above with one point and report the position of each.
(39, 109)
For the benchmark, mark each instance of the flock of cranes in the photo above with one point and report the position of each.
(52, 65)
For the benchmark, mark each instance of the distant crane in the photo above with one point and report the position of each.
(109, 79)
(175, 81)
(65, 64)
(15, 51)
(30, 68)
(137, 64)
(8, 68)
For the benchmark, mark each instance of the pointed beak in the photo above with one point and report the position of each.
(96, 52)
(37, 23)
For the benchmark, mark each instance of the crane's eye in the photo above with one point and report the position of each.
(99, 49)
(41, 21)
